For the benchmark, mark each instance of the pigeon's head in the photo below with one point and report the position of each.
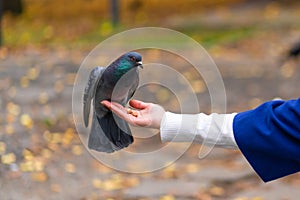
(134, 58)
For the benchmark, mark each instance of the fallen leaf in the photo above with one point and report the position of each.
(167, 197)
(55, 188)
(43, 98)
(8, 158)
(27, 154)
(97, 183)
(2, 148)
(24, 82)
(39, 176)
(217, 191)
(70, 167)
(77, 150)
(33, 73)
(9, 129)
(26, 121)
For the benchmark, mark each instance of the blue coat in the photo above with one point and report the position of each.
(269, 138)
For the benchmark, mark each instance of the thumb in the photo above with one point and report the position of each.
(138, 104)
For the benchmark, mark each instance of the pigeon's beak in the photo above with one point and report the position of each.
(140, 64)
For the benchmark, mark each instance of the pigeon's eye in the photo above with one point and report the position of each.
(132, 58)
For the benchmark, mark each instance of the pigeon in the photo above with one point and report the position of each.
(116, 83)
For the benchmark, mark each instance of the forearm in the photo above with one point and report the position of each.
(214, 129)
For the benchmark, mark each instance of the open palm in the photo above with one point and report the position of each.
(143, 114)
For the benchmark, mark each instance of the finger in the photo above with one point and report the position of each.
(106, 103)
(138, 104)
(117, 107)
(113, 106)
(120, 111)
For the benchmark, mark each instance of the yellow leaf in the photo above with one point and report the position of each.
(56, 138)
(8, 158)
(43, 98)
(69, 167)
(46, 153)
(27, 166)
(199, 86)
(170, 171)
(217, 191)
(162, 95)
(38, 165)
(257, 198)
(111, 185)
(39, 176)
(97, 183)
(131, 182)
(192, 168)
(2, 147)
(9, 129)
(69, 133)
(27, 154)
(167, 197)
(55, 188)
(26, 121)
(24, 82)
(13, 109)
(68, 137)
(33, 73)
(77, 150)
(241, 198)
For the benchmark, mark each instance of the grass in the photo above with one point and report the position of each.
(84, 25)
(208, 37)
(47, 35)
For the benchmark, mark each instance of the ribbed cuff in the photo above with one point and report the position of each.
(178, 127)
(220, 131)
(214, 129)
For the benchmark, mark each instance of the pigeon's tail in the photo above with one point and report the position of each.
(109, 133)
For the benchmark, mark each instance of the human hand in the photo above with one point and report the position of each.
(145, 115)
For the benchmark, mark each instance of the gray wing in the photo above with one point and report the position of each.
(133, 88)
(89, 92)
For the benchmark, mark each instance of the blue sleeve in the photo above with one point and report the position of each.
(269, 138)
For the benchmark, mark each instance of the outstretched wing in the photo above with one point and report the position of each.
(89, 92)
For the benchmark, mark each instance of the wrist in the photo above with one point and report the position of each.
(157, 114)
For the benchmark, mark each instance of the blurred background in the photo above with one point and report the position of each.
(255, 44)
